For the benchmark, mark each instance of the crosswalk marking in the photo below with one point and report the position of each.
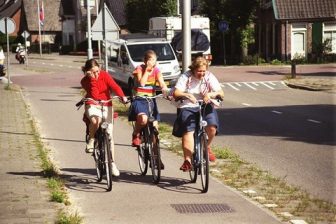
(238, 86)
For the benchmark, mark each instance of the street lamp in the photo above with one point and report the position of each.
(88, 12)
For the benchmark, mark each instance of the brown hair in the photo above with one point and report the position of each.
(149, 54)
(90, 64)
(198, 62)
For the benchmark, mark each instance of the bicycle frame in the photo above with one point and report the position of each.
(103, 149)
(146, 151)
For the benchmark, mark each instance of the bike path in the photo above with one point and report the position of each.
(133, 199)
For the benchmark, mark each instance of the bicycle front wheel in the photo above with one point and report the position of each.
(143, 154)
(154, 146)
(108, 161)
(99, 157)
(204, 166)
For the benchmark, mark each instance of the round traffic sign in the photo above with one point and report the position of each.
(223, 26)
(10, 25)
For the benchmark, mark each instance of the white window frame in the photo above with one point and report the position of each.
(299, 28)
(330, 28)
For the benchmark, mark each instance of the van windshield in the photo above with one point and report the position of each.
(163, 51)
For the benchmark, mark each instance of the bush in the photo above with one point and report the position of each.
(253, 60)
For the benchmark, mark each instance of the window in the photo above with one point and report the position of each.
(329, 33)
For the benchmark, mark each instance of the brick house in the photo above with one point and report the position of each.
(288, 29)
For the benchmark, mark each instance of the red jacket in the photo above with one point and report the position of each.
(100, 89)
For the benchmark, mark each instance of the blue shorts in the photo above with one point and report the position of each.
(187, 117)
(141, 106)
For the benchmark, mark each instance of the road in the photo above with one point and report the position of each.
(51, 92)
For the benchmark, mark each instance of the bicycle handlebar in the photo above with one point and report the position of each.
(100, 102)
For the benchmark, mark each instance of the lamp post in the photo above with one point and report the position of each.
(88, 12)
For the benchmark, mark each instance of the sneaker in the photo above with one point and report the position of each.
(89, 146)
(115, 171)
(212, 156)
(136, 141)
(186, 166)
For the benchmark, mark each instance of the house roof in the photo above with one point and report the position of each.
(117, 8)
(9, 7)
(304, 9)
(51, 15)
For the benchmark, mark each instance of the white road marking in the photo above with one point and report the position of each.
(233, 87)
(267, 85)
(246, 104)
(276, 112)
(249, 86)
(238, 84)
(314, 121)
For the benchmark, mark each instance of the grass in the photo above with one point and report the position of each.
(69, 218)
(242, 175)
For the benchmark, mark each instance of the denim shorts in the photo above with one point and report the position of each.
(141, 106)
(187, 118)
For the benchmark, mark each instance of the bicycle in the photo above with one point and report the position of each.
(149, 149)
(200, 156)
(102, 152)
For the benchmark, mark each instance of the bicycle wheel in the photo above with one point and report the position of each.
(98, 156)
(108, 161)
(154, 147)
(204, 165)
(143, 154)
(194, 169)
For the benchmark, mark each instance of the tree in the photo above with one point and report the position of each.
(140, 11)
(239, 14)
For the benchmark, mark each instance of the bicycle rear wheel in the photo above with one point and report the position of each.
(108, 161)
(154, 146)
(143, 154)
(204, 165)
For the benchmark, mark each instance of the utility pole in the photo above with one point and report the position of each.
(88, 12)
(186, 20)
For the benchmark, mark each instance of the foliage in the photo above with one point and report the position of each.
(239, 14)
(138, 12)
(253, 60)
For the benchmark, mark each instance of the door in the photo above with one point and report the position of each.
(298, 41)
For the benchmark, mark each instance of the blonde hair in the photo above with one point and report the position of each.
(198, 62)
(149, 54)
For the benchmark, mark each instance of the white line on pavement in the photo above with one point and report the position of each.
(246, 104)
(276, 112)
(233, 87)
(314, 121)
(250, 86)
(267, 85)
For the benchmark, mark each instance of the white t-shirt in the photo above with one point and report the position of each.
(2, 55)
(189, 84)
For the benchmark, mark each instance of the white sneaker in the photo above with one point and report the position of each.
(90, 146)
(115, 171)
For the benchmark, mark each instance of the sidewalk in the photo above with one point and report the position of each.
(24, 197)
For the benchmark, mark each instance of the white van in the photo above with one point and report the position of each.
(126, 54)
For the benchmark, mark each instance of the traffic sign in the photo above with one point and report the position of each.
(110, 25)
(10, 25)
(223, 26)
(25, 34)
